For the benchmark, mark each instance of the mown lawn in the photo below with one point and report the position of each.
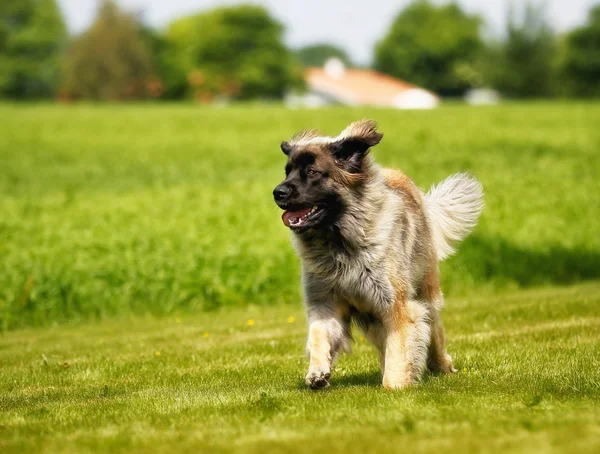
(528, 381)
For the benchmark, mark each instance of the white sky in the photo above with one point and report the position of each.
(355, 25)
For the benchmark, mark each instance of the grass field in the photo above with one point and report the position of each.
(149, 296)
(109, 210)
(528, 381)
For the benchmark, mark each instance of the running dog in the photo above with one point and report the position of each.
(370, 242)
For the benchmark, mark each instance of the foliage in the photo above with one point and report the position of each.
(581, 65)
(238, 53)
(432, 46)
(160, 209)
(529, 369)
(110, 61)
(318, 54)
(233, 51)
(523, 66)
(32, 36)
(172, 79)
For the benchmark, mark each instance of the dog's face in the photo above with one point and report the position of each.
(319, 172)
(308, 194)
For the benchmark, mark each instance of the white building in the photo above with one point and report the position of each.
(482, 97)
(336, 84)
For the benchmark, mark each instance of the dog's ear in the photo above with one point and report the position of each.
(286, 148)
(353, 144)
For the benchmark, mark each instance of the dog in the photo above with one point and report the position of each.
(370, 242)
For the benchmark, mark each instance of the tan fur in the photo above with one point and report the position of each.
(396, 179)
(319, 346)
(406, 343)
(365, 130)
(304, 136)
(377, 265)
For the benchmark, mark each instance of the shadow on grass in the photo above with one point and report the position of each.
(371, 379)
(491, 257)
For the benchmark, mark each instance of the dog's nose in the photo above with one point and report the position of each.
(281, 192)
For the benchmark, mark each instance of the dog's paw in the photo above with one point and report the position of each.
(317, 379)
(446, 367)
(443, 366)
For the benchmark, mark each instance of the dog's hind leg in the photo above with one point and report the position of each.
(438, 360)
(407, 340)
(375, 333)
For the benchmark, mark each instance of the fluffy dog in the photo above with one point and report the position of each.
(370, 242)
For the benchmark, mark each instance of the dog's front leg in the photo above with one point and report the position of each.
(328, 334)
(407, 339)
(318, 347)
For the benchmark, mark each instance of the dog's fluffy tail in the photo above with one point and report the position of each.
(453, 207)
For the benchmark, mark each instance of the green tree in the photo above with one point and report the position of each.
(237, 51)
(110, 61)
(32, 37)
(318, 54)
(580, 66)
(432, 46)
(163, 63)
(524, 65)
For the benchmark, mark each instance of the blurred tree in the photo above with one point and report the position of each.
(432, 46)
(163, 63)
(235, 51)
(32, 35)
(525, 64)
(318, 54)
(580, 66)
(110, 61)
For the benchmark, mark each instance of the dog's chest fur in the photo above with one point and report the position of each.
(360, 279)
(358, 270)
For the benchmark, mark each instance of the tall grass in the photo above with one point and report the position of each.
(149, 208)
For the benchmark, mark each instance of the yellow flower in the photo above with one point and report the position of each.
(291, 319)
(205, 334)
(156, 353)
(250, 322)
(464, 369)
(361, 338)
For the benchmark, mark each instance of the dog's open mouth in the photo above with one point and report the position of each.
(301, 217)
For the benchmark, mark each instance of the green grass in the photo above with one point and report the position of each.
(528, 381)
(154, 209)
(157, 222)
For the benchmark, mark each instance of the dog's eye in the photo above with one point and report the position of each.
(311, 171)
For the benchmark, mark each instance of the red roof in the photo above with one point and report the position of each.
(360, 86)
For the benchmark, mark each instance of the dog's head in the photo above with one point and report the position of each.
(320, 170)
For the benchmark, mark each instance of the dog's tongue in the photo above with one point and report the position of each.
(288, 215)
